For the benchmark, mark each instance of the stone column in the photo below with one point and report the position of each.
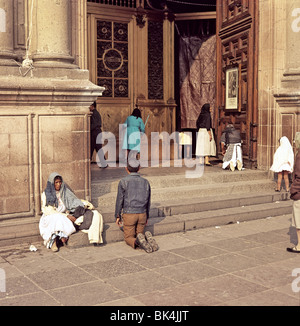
(293, 37)
(79, 33)
(272, 57)
(52, 24)
(288, 95)
(7, 55)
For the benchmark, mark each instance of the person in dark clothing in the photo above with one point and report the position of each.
(205, 145)
(231, 144)
(95, 126)
(133, 199)
(295, 195)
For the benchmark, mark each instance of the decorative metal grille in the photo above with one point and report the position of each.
(112, 58)
(155, 60)
(119, 3)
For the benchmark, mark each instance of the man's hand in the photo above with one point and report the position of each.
(118, 221)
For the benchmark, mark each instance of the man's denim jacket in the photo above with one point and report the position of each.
(133, 197)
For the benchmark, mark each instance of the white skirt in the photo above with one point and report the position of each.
(204, 147)
(235, 155)
(185, 138)
(50, 224)
(279, 168)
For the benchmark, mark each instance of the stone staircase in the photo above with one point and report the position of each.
(178, 203)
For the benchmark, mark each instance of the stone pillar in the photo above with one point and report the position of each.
(293, 37)
(44, 115)
(288, 95)
(79, 33)
(7, 55)
(52, 27)
(272, 57)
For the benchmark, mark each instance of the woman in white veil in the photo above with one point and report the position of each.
(283, 163)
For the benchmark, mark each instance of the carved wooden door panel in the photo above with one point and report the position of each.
(237, 41)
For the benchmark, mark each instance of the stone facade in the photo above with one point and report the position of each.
(279, 75)
(44, 103)
(44, 115)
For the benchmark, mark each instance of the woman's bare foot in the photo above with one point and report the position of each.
(64, 240)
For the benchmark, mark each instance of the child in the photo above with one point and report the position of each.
(185, 141)
(134, 199)
(283, 163)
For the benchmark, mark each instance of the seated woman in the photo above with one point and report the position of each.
(58, 203)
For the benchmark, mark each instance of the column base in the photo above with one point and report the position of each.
(54, 61)
(8, 59)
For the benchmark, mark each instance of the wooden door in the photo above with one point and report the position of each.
(237, 51)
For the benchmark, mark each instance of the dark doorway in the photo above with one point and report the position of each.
(190, 34)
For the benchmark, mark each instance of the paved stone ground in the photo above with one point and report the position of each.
(242, 264)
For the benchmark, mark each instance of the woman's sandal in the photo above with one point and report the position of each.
(293, 249)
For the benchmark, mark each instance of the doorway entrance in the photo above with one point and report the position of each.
(176, 62)
(237, 52)
(195, 69)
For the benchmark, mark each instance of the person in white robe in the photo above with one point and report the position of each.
(231, 144)
(283, 163)
(58, 202)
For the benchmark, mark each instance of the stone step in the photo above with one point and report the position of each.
(159, 195)
(192, 205)
(197, 220)
(101, 187)
(173, 195)
(13, 231)
(167, 218)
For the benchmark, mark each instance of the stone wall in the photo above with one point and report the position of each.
(44, 103)
(279, 75)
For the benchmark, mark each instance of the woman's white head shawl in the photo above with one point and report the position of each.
(67, 195)
(283, 155)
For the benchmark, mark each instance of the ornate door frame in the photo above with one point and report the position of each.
(237, 46)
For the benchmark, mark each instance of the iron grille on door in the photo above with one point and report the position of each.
(119, 3)
(112, 58)
(155, 60)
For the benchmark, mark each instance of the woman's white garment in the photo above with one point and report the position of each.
(185, 138)
(236, 155)
(54, 220)
(283, 157)
(296, 214)
(96, 228)
(204, 147)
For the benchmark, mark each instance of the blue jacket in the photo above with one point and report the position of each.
(134, 128)
(134, 194)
